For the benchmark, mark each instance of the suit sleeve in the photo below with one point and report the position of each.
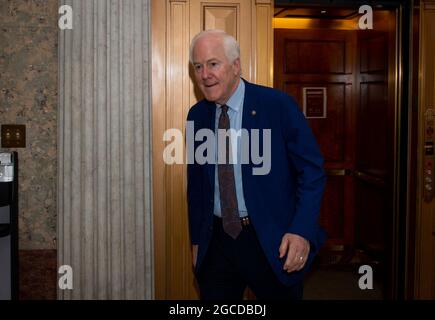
(307, 161)
(194, 193)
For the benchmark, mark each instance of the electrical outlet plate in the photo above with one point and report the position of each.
(13, 135)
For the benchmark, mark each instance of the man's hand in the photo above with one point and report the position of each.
(297, 249)
(194, 254)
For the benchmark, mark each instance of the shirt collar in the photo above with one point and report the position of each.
(235, 101)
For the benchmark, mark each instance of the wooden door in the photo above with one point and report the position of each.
(325, 59)
(375, 154)
(174, 23)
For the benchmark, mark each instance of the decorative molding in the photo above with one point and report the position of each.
(177, 106)
(159, 100)
(224, 18)
(263, 44)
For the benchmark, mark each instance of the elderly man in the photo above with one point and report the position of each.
(250, 230)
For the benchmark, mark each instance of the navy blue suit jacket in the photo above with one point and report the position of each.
(287, 199)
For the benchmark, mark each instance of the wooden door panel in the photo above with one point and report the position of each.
(369, 62)
(374, 131)
(373, 128)
(331, 217)
(371, 227)
(310, 56)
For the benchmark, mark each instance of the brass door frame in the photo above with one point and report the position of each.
(424, 285)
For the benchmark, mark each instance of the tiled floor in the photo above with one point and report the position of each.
(339, 283)
(336, 277)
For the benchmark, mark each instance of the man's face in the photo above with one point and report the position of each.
(215, 75)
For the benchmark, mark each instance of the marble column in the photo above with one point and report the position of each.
(104, 175)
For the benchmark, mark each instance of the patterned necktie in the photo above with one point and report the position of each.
(227, 186)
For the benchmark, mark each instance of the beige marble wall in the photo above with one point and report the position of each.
(28, 95)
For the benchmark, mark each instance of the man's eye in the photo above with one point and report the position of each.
(197, 67)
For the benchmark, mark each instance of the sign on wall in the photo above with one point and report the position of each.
(314, 102)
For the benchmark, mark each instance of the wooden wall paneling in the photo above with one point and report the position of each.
(263, 42)
(170, 94)
(179, 284)
(158, 92)
(174, 23)
(425, 234)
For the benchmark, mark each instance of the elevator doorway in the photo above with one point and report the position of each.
(345, 80)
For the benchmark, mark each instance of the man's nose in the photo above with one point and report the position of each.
(204, 73)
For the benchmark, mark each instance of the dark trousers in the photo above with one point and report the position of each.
(231, 265)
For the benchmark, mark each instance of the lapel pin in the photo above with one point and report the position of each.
(253, 113)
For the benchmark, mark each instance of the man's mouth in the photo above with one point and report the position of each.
(210, 85)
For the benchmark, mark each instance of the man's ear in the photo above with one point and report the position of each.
(237, 66)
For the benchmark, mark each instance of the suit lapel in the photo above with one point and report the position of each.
(249, 109)
(249, 121)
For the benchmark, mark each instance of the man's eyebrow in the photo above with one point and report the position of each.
(209, 60)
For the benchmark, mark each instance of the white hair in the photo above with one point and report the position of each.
(231, 47)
